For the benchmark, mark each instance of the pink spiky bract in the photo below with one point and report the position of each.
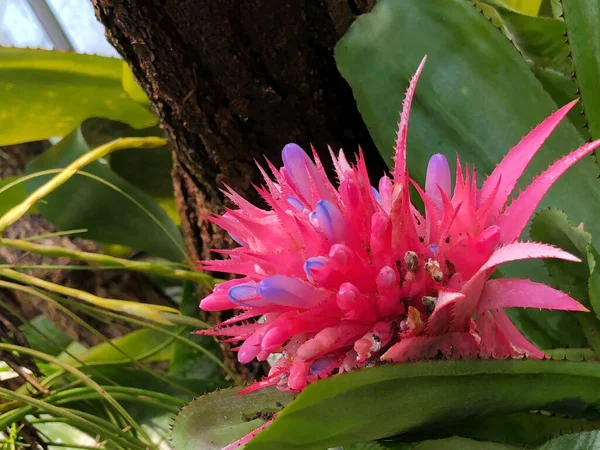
(345, 277)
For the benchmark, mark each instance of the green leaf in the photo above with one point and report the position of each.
(581, 441)
(542, 41)
(553, 227)
(594, 281)
(549, 329)
(389, 400)
(11, 194)
(188, 361)
(453, 443)
(142, 345)
(217, 419)
(43, 335)
(531, 7)
(571, 354)
(131, 86)
(457, 443)
(563, 89)
(48, 93)
(150, 170)
(476, 94)
(582, 18)
(539, 39)
(526, 429)
(111, 209)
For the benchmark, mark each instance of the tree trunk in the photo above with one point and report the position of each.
(234, 80)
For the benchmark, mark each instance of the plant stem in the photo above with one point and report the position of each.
(21, 209)
(147, 311)
(138, 266)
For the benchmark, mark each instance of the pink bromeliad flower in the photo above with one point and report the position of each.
(341, 278)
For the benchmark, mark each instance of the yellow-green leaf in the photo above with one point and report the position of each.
(48, 93)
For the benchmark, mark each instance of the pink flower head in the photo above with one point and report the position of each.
(341, 278)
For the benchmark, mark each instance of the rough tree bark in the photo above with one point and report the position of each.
(234, 80)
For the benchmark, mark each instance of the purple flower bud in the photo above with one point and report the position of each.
(438, 177)
(318, 262)
(296, 204)
(330, 220)
(376, 195)
(288, 291)
(321, 364)
(298, 164)
(237, 239)
(245, 295)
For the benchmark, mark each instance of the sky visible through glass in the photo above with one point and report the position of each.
(19, 27)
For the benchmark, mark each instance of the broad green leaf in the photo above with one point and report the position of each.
(557, 329)
(582, 18)
(389, 400)
(149, 170)
(111, 209)
(531, 7)
(557, 9)
(594, 281)
(141, 345)
(476, 95)
(217, 419)
(581, 441)
(187, 361)
(563, 89)
(457, 443)
(453, 443)
(539, 39)
(175, 386)
(45, 336)
(553, 227)
(571, 354)
(11, 194)
(521, 429)
(63, 432)
(549, 329)
(131, 86)
(48, 93)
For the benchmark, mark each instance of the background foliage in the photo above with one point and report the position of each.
(496, 68)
